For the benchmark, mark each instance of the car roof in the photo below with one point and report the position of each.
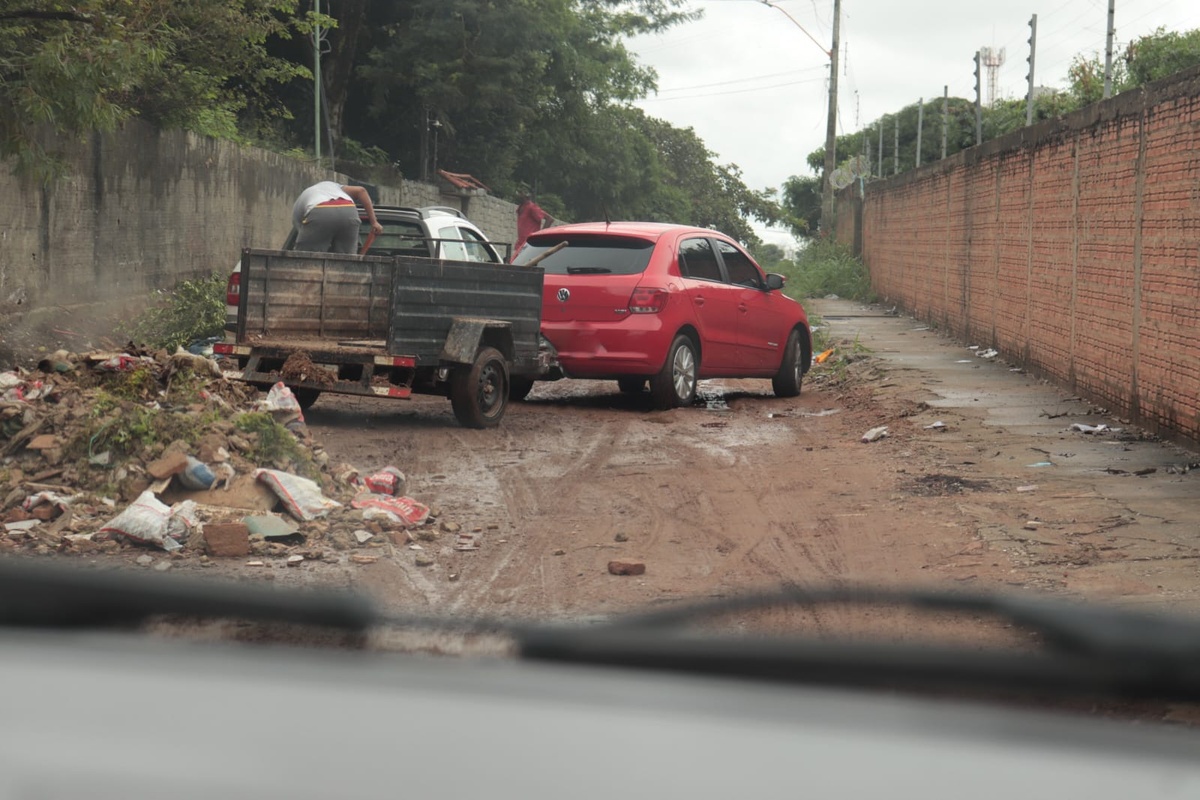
(425, 212)
(645, 230)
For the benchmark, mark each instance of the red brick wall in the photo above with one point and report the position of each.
(1072, 247)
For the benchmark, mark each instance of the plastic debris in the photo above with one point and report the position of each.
(300, 496)
(821, 358)
(989, 353)
(150, 521)
(403, 510)
(875, 434)
(1041, 464)
(1084, 428)
(389, 481)
(196, 475)
(1031, 488)
(937, 426)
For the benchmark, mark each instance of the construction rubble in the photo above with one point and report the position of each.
(144, 452)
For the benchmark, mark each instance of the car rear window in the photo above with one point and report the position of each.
(589, 254)
(399, 238)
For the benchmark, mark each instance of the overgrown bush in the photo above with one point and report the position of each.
(825, 267)
(194, 310)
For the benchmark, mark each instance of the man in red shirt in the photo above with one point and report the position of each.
(530, 219)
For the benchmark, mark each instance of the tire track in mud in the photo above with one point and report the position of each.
(532, 493)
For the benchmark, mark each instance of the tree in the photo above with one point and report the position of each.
(190, 65)
(1161, 54)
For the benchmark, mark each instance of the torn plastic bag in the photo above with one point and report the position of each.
(300, 496)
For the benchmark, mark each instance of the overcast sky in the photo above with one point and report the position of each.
(754, 86)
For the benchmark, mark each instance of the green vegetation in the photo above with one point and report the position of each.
(271, 443)
(825, 267)
(194, 310)
(126, 427)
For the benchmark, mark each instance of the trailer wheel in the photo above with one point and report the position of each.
(479, 393)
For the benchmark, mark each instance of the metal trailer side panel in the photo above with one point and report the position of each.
(427, 296)
(289, 295)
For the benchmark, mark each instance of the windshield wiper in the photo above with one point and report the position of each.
(588, 271)
(1087, 649)
(59, 597)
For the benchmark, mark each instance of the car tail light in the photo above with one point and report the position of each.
(645, 300)
(233, 289)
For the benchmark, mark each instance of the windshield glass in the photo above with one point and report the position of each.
(589, 254)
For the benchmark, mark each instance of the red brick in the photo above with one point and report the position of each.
(229, 539)
(627, 567)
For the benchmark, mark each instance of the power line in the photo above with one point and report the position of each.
(739, 80)
(733, 91)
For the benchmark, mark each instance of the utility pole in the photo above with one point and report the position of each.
(831, 127)
(1108, 42)
(920, 124)
(896, 149)
(317, 84)
(978, 108)
(881, 120)
(1030, 59)
(945, 116)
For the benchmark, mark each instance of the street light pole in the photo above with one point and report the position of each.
(831, 127)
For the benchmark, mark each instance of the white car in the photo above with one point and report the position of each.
(437, 232)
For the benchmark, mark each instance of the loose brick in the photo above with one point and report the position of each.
(170, 464)
(627, 567)
(228, 540)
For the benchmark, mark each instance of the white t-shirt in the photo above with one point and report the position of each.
(315, 195)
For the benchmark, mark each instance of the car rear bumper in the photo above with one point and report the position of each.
(634, 346)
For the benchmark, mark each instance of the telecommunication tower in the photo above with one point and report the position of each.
(993, 59)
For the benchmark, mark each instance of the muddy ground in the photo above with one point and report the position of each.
(979, 482)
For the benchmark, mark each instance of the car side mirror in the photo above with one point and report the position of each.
(775, 281)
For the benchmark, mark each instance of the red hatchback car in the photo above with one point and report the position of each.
(671, 304)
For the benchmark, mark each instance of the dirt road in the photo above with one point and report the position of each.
(979, 482)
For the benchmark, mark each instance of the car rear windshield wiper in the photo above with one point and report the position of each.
(588, 270)
(1087, 649)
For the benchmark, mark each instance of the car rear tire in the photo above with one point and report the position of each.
(786, 382)
(675, 383)
(479, 393)
(519, 388)
(631, 385)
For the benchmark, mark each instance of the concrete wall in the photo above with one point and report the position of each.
(1072, 246)
(141, 209)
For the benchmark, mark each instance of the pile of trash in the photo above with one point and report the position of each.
(112, 451)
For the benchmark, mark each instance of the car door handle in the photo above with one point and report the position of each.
(742, 307)
(698, 301)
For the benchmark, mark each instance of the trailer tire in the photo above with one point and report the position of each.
(479, 392)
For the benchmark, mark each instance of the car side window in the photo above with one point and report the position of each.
(741, 269)
(452, 247)
(476, 247)
(697, 260)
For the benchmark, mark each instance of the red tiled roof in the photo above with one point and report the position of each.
(461, 180)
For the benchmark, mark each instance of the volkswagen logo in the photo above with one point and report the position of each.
(564, 295)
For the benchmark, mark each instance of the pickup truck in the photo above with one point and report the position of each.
(428, 232)
(388, 326)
